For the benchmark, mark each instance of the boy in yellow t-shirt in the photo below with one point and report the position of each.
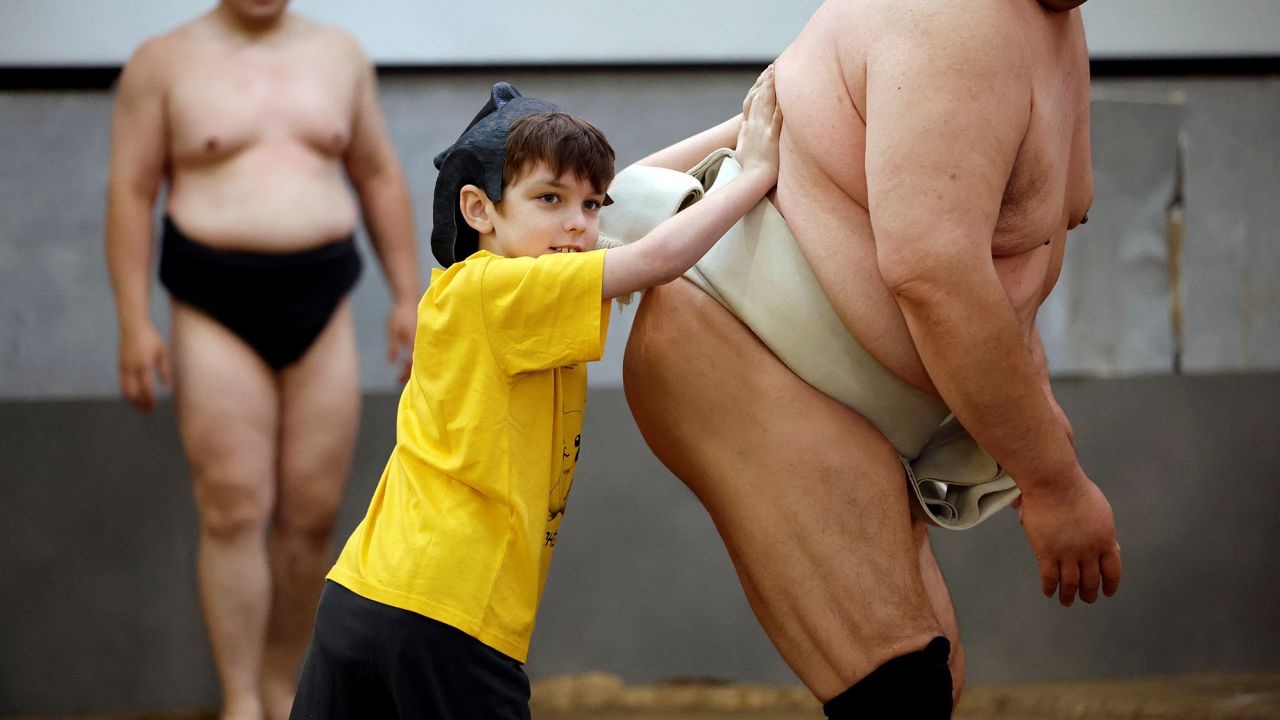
(429, 610)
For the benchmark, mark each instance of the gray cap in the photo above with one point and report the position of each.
(475, 159)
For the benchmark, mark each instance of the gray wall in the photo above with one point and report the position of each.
(57, 325)
(1201, 155)
(1177, 271)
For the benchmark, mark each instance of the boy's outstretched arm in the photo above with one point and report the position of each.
(673, 247)
(690, 151)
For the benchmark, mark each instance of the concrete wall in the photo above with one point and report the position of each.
(1193, 159)
(57, 325)
(1169, 292)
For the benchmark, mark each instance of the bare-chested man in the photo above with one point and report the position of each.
(934, 156)
(256, 118)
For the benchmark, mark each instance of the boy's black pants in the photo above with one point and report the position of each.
(369, 660)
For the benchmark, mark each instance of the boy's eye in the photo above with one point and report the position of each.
(592, 205)
(549, 198)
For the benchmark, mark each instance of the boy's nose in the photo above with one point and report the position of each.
(576, 221)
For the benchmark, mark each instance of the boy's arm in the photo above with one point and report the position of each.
(673, 247)
(690, 151)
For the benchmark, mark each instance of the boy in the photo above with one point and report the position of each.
(430, 608)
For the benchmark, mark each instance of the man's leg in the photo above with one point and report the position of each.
(809, 498)
(943, 610)
(320, 410)
(226, 401)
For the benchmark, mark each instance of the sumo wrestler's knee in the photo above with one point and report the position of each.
(916, 685)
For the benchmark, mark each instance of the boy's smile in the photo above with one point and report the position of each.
(541, 214)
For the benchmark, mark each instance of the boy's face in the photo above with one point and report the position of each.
(541, 213)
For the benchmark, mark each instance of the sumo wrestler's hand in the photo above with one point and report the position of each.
(1073, 535)
(402, 323)
(142, 354)
(757, 147)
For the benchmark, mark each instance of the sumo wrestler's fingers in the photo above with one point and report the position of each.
(1111, 571)
(402, 323)
(126, 386)
(1090, 580)
(136, 384)
(1048, 576)
(1068, 582)
(394, 345)
(148, 390)
(407, 368)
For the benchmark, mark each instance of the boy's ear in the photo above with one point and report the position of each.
(476, 208)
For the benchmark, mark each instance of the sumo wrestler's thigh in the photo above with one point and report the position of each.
(808, 496)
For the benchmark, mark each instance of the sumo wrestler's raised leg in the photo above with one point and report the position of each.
(228, 412)
(808, 496)
(320, 412)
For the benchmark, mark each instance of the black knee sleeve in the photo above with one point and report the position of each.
(916, 685)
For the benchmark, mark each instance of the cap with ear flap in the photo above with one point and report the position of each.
(476, 158)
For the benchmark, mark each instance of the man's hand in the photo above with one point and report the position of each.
(142, 352)
(1073, 536)
(402, 323)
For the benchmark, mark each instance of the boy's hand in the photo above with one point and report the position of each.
(761, 124)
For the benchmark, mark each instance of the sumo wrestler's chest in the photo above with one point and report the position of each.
(223, 104)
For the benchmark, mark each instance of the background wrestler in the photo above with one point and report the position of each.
(934, 156)
(256, 117)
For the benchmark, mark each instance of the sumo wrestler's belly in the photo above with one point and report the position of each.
(762, 276)
(273, 199)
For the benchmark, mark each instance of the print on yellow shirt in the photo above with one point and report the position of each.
(568, 463)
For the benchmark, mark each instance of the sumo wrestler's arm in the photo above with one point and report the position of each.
(136, 169)
(376, 176)
(1036, 348)
(947, 106)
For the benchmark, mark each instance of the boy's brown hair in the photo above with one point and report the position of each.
(564, 142)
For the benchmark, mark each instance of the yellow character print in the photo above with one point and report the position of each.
(572, 433)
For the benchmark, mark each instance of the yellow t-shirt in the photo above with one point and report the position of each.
(464, 520)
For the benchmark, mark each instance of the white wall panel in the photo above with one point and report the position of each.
(422, 32)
